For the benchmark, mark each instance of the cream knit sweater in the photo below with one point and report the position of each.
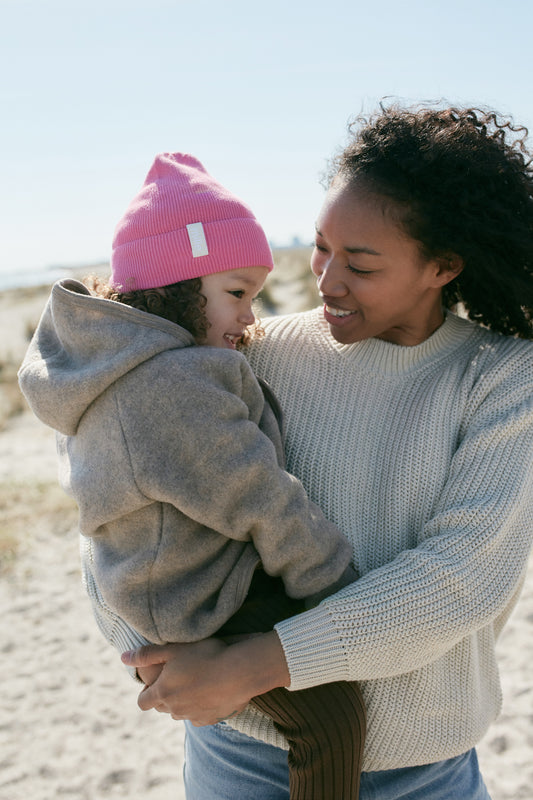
(423, 457)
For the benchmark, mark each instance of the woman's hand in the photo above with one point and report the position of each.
(149, 674)
(209, 681)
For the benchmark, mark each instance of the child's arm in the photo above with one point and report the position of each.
(206, 455)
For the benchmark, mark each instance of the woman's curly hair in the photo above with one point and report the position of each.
(182, 303)
(460, 182)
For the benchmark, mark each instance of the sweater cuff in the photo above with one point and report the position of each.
(313, 649)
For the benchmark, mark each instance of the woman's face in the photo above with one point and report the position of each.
(371, 276)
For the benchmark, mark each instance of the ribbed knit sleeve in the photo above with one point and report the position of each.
(466, 565)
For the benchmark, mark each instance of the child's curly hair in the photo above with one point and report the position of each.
(182, 303)
(461, 182)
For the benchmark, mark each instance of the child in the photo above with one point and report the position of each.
(174, 455)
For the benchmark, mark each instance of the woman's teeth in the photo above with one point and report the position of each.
(337, 312)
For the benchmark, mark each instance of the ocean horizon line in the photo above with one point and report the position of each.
(33, 277)
(46, 276)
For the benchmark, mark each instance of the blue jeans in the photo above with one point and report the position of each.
(223, 764)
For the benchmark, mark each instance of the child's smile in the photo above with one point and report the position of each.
(230, 296)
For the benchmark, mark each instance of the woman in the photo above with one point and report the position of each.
(412, 428)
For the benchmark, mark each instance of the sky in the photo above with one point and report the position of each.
(260, 92)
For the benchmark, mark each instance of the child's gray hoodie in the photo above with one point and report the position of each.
(174, 459)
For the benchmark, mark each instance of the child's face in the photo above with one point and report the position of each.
(230, 296)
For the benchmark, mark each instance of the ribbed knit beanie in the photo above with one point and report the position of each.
(183, 224)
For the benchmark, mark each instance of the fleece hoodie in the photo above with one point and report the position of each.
(175, 461)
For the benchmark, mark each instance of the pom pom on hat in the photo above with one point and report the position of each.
(183, 224)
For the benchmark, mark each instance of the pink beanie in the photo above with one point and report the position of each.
(183, 224)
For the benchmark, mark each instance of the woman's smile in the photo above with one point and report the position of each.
(338, 312)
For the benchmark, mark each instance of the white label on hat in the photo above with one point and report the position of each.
(197, 239)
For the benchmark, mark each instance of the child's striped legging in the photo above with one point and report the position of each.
(324, 725)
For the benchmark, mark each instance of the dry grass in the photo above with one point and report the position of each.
(292, 285)
(20, 310)
(12, 401)
(25, 505)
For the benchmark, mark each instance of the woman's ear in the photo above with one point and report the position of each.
(449, 266)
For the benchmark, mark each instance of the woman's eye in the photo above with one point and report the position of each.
(319, 247)
(238, 293)
(358, 271)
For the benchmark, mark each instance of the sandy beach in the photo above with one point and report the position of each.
(69, 723)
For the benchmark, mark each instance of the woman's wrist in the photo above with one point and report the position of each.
(261, 661)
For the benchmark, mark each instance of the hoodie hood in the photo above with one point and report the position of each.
(82, 345)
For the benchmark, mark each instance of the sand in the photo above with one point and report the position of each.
(69, 723)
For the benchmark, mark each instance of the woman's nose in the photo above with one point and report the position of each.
(329, 279)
